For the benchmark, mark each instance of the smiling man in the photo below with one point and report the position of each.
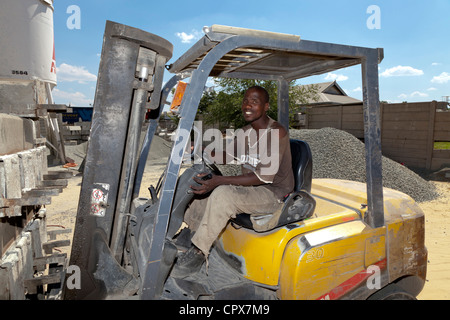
(265, 156)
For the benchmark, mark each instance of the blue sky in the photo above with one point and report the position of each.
(413, 33)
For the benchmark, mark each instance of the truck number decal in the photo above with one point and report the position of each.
(20, 72)
(314, 254)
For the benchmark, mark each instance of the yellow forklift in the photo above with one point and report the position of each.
(333, 239)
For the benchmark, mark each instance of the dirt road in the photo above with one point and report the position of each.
(437, 240)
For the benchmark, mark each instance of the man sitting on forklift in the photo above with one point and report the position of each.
(260, 189)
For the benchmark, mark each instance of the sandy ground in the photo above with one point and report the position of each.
(62, 212)
(437, 240)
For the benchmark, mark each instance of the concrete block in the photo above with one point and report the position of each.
(27, 170)
(11, 277)
(36, 167)
(12, 176)
(29, 134)
(16, 265)
(25, 251)
(70, 142)
(33, 166)
(17, 134)
(43, 161)
(38, 231)
(4, 283)
(74, 129)
(15, 211)
(37, 153)
(11, 134)
(11, 211)
(20, 173)
(2, 184)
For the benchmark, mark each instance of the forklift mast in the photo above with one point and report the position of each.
(129, 82)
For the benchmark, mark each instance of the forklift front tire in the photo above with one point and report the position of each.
(392, 292)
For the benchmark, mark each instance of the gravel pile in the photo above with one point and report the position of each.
(339, 155)
(159, 150)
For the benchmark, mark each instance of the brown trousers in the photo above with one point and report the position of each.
(209, 216)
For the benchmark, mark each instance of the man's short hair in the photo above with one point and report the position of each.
(263, 91)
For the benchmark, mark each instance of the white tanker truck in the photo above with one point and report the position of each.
(27, 76)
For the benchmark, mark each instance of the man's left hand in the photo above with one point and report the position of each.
(205, 185)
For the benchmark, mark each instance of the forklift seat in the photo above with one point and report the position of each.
(301, 165)
(298, 205)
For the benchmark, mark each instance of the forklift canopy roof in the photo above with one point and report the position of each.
(278, 56)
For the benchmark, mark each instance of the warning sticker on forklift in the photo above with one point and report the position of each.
(99, 199)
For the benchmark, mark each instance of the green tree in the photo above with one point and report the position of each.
(224, 107)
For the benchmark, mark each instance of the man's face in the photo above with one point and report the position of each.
(253, 105)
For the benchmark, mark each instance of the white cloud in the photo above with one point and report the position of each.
(394, 101)
(436, 64)
(333, 76)
(189, 37)
(415, 94)
(419, 94)
(73, 98)
(431, 89)
(444, 77)
(358, 89)
(66, 72)
(401, 71)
